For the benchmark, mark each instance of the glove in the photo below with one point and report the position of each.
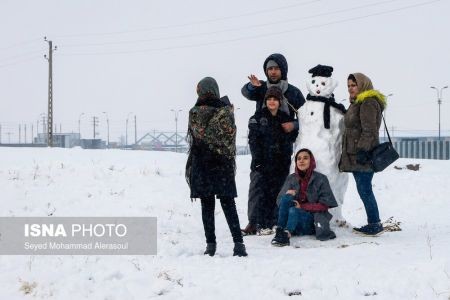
(362, 157)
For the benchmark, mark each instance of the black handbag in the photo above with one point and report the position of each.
(384, 154)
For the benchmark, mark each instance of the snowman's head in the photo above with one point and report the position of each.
(321, 83)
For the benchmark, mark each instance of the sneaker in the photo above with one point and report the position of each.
(281, 238)
(210, 249)
(373, 229)
(239, 250)
(249, 230)
(264, 231)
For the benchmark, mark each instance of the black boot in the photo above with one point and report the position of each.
(210, 249)
(229, 210)
(239, 250)
(281, 238)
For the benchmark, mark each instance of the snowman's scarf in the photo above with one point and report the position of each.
(283, 85)
(326, 110)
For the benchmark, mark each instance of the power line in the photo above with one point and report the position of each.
(265, 35)
(20, 44)
(21, 55)
(20, 61)
(258, 12)
(297, 19)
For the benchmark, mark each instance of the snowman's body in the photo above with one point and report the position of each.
(325, 143)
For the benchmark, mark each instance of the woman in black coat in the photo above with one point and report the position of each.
(210, 170)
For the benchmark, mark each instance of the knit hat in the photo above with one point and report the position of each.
(270, 64)
(274, 92)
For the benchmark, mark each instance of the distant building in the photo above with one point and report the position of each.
(422, 147)
(92, 144)
(62, 140)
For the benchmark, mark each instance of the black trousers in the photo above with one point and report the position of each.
(262, 196)
(255, 193)
(229, 210)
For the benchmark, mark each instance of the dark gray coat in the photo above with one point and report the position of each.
(319, 191)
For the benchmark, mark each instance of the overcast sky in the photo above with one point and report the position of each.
(145, 58)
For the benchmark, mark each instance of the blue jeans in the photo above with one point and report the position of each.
(364, 187)
(296, 220)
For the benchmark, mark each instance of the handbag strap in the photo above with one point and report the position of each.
(385, 127)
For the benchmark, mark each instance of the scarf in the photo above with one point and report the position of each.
(304, 176)
(326, 111)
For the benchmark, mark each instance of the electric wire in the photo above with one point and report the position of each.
(232, 29)
(253, 37)
(20, 61)
(264, 11)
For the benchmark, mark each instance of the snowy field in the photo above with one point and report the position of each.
(410, 264)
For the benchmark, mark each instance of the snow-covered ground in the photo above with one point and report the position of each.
(410, 264)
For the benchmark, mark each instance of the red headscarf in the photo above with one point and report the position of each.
(304, 177)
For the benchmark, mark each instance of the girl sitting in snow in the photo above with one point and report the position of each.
(303, 202)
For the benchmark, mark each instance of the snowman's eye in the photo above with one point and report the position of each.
(313, 81)
(323, 83)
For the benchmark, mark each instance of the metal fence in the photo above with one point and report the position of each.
(423, 149)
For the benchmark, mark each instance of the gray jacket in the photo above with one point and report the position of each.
(318, 191)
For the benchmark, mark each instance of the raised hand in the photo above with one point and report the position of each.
(254, 80)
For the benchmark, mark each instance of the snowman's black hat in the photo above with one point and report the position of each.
(322, 71)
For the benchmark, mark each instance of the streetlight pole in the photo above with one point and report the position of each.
(79, 126)
(126, 129)
(384, 113)
(176, 112)
(439, 98)
(107, 124)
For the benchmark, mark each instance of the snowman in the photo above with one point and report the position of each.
(321, 122)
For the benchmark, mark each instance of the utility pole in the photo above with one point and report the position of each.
(126, 129)
(32, 135)
(43, 124)
(79, 125)
(25, 129)
(135, 130)
(50, 92)
(439, 100)
(176, 112)
(20, 133)
(107, 124)
(95, 123)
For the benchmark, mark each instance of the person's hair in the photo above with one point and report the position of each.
(352, 78)
(303, 150)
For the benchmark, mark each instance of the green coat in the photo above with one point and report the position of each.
(362, 123)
